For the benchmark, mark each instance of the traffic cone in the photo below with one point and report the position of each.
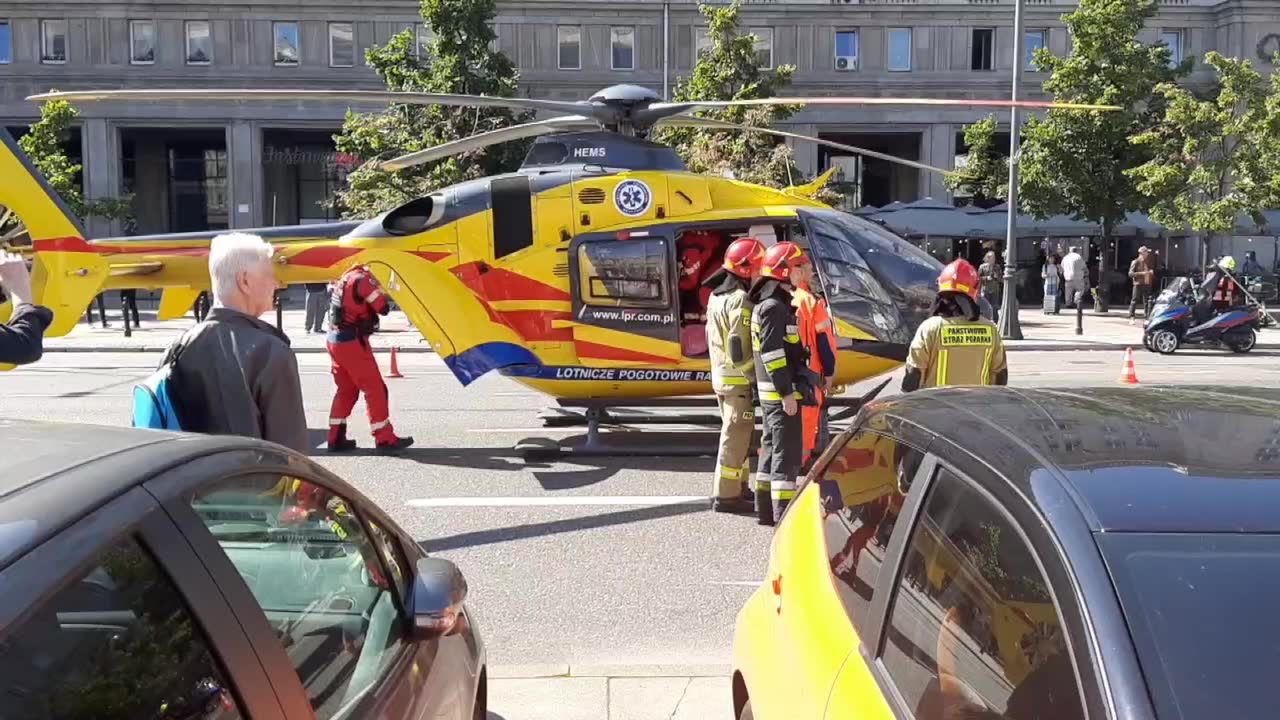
(1128, 375)
(395, 365)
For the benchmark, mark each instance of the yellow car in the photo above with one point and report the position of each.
(1013, 554)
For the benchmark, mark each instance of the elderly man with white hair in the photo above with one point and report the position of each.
(234, 374)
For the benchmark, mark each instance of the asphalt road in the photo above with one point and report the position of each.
(582, 561)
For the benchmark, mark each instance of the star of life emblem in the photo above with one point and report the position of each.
(632, 197)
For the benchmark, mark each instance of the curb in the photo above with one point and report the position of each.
(565, 670)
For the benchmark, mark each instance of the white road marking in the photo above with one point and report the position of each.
(565, 501)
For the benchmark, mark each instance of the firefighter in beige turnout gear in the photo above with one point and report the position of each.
(732, 372)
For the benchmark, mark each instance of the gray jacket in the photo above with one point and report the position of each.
(236, 375)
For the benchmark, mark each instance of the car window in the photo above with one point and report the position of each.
(318, 577)
(974, 631)
(116, 643)
(862, 489)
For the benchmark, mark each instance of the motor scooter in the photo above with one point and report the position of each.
(1180, 317)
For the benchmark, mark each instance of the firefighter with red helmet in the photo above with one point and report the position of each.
(732, 371)
(354, 307)
(956, 346)
(782, 376)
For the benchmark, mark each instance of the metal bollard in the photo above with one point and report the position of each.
(279, 314)
(1080, 313)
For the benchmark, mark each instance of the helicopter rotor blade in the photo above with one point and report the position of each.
(682, 107)
(491, 137)
(354, 96)
(710, 124)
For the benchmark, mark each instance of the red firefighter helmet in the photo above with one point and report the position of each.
(959, 277)
(779, 259)
(743, 256)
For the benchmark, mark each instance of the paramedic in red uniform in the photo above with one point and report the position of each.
(354, 307)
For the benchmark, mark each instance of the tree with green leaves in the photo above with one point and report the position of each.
(1076, 162)
(1209, 156)
(729, 70)
(985, 175)
(45, 145)
(460, 59)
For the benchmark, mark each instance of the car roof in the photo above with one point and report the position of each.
(1145, 459)
(55, 473)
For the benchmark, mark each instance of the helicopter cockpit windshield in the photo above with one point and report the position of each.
(873, 279)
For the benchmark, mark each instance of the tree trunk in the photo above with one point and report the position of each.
(1102, 297)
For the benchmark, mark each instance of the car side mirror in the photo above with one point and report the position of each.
(439, 589)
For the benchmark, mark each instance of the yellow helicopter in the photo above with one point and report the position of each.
(569, 275)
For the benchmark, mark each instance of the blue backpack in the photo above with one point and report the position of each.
(152, 406)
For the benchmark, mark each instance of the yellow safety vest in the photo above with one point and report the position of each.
(956, 351)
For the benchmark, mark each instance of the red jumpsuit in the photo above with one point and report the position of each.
(352, 309)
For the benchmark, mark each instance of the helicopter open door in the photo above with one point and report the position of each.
(624, 302)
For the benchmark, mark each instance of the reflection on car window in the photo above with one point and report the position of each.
(316, 575)
(974, 631)
(862, 492)
(117, 644)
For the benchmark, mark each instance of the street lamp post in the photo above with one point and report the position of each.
(1009, 327)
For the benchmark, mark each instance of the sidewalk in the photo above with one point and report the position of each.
(616, 692)
(1110, 331)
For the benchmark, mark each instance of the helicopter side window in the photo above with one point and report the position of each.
(624, 273)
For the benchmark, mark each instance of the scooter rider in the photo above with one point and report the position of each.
(732, 371)
(956, 346)
(354, 307)
(783, 377)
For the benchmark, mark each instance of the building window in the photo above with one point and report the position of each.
(142, 42)
(984, 49)
(1173, 39)
(846, 50)
(569, 39)
(702, 43)
(1033, 41)
(900, 49)
(342, 45)
(199, 43)
(286, 43)
(422, 40)
(53, 41)
(6, 43)
(763, 46)
(623, 42)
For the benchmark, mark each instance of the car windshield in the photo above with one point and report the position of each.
(1202, 612)
(1177, 287)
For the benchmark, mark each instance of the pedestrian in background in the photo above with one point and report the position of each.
(1076, 276)
(1052, 274)
(129, 306)
(22, 338)
(317, 307)
(1141, 273)
(991, 275)
(232, 373)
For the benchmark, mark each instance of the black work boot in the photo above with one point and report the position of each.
(764, 507)
(338, 441)
(396, 445)
(734, 505)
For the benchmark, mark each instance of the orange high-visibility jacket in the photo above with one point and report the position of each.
(813, 319)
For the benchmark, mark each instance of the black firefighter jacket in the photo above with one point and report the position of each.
(236, 375)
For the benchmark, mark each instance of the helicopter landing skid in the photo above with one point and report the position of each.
(595, 413)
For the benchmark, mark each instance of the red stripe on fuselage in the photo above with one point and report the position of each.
(608, 352)
(63, 244)
(496, 284)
